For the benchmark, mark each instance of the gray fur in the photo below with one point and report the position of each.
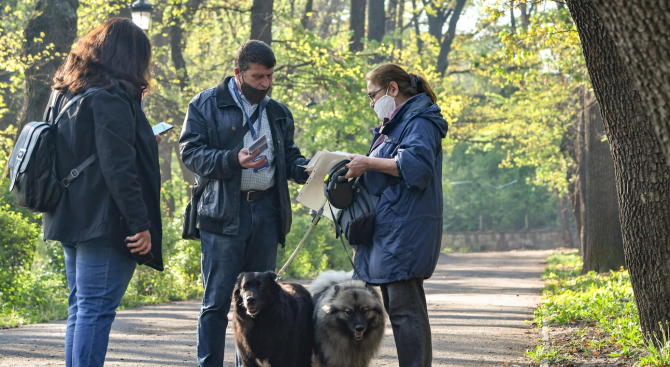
(335, 345)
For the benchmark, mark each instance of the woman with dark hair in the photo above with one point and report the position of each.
(108, 219)
(404, 167)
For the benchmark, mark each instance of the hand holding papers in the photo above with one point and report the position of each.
(312, 195)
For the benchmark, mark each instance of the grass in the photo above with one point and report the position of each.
(599, 313)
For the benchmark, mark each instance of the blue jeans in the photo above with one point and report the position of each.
(224, 257)
(98, 276)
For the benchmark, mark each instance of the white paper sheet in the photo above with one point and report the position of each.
(312, 195)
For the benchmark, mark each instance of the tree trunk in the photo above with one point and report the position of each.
(564, 223)
(603, 243)
(642, 175)
(57, 20)
(525, 15)
(328, 18)
(376, 18)
(177, 51)
(307, 15)
(400, 25)
(512, 20)
(357, 25)
(417, 31)
(392, 12)
(445, 46)
(641, 30)
(261, 21)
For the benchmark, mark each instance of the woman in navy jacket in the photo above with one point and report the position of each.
(404, 167)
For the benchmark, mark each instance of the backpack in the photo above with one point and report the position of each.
(34, 180)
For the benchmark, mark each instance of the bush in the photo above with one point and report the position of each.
(18, 238)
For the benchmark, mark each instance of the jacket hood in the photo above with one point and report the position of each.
(422, 106)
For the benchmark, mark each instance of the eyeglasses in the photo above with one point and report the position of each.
(372, 95)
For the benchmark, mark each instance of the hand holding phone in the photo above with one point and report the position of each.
(260, 145)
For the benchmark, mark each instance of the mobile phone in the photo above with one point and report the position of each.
(161, 127)
(141, 259)
(261, 144)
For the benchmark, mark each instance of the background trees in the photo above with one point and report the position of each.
(511, 80)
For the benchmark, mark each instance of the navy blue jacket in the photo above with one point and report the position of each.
(408, 217)
(218, 208)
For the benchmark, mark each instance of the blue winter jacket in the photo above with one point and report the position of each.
(408, 223)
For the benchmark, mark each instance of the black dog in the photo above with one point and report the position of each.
(272, 322)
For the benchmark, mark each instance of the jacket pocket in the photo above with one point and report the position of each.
(207, 205)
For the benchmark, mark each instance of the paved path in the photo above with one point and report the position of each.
(478, 304)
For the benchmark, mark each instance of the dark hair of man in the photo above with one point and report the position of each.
(257, 52)
(409, 84)
(116, 52)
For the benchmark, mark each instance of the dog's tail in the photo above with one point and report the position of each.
(328, 279)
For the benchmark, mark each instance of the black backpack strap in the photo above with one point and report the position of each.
(74, 100)
(75, 172)
(338, 233)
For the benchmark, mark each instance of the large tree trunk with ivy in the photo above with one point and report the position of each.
(641, 30)
(50, 32)
(602, 243)
(642, 174)
(261, 20)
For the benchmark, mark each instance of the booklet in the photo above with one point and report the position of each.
(312, 195)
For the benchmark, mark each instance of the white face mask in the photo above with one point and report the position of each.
(384, 106)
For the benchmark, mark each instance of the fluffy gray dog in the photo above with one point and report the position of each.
(349, 321)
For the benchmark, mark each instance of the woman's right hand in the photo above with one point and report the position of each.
(140, 242)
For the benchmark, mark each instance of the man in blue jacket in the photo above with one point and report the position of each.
(245, 210)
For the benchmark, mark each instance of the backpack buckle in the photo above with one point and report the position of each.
(73, 174)
(22, 153)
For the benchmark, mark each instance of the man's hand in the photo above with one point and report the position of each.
(158, 138)
(358, 166)
(140, 242)
(246, 159)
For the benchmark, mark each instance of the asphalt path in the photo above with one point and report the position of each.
(479, 306)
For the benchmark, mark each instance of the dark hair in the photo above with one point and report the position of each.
(116, 52)
(254, 51)
(408, 84)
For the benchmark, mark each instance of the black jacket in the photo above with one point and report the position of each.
(218, 209)
(119, 194)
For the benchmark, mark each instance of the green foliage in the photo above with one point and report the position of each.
(658, 350)
(322, 251)
(17, 247)
(604, 306)
(475, 175)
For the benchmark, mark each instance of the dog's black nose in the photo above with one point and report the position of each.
(251, 300)
(360, 328)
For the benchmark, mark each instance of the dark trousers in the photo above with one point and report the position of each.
(224, 257)
(405, 303)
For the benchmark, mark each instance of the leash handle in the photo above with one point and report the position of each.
(315, 221)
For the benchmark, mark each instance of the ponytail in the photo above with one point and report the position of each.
(408, 84)
(422, 86)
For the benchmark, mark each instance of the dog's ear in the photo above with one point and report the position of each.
(270, 277)
(337, 290)
(238, 287)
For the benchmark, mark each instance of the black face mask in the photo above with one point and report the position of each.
(253, 95)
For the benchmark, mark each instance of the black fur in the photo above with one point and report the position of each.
(281, 329)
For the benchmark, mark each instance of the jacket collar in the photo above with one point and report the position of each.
(225, 99)
(223, 96)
